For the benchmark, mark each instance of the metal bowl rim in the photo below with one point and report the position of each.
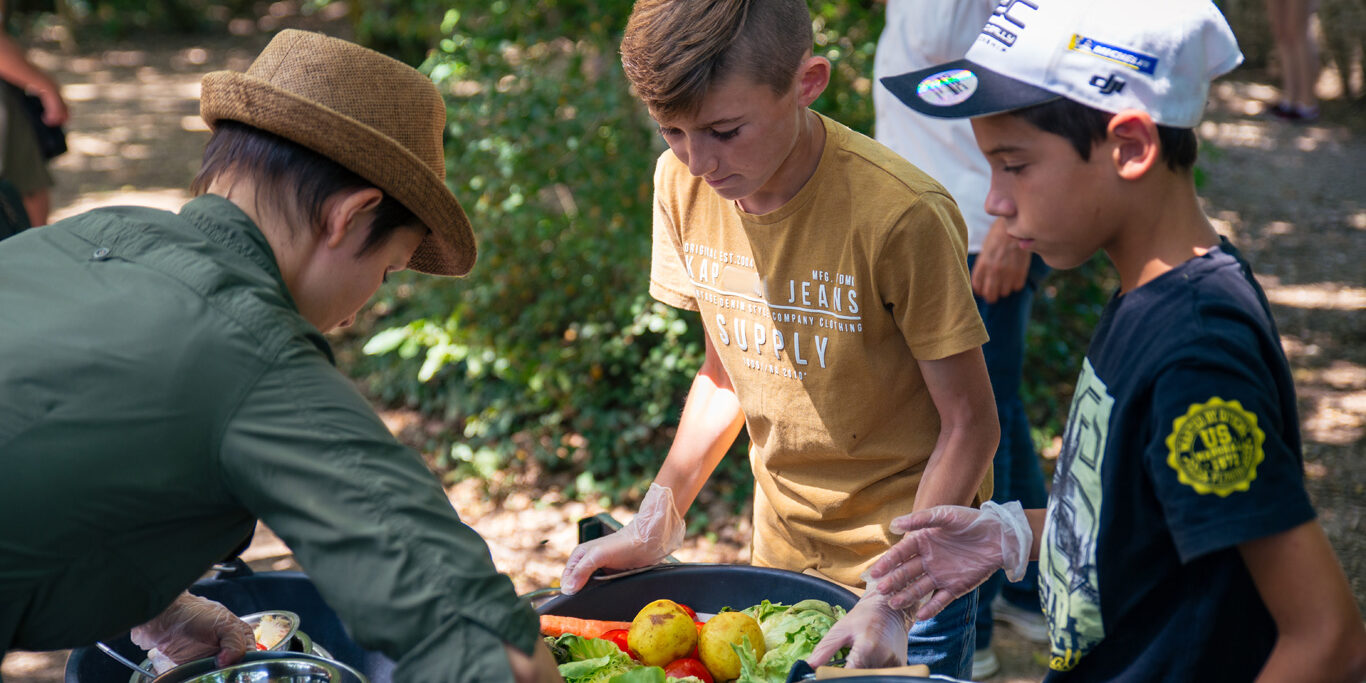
(257, 657)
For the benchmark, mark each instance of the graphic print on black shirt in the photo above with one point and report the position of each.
(1067, 567)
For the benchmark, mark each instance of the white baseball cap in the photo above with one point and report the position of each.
(1157, 56)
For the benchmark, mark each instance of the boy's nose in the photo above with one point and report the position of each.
(998, 203)
(701, 162)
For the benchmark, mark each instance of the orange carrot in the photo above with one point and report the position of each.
(555, 625)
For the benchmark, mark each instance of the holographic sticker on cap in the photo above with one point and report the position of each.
(947, 88)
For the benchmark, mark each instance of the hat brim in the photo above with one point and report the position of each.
(449, 246)
(964, 89)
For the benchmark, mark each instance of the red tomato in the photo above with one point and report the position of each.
(687, 666)
(617, 636)
(692, 614)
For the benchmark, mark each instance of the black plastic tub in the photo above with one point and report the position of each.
(703, 587)
(706, 588)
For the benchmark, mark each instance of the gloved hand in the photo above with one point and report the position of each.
(194, 628)
(656, 531)
(874, 631)
(949, 550)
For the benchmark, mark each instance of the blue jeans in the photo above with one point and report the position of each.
(1016, 471)
(946, 641)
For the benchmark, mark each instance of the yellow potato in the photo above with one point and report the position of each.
(719, 633)
(662, 632)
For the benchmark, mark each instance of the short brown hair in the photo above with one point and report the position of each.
(675, 50)
(292, 180)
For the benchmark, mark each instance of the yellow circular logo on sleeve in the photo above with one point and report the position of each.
(1216, 447)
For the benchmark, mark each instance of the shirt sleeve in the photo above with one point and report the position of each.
(922, 279)
(669, 280)
(1219, 459)
(372, 526)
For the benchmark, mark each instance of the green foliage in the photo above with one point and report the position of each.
(1066, 309)
(403, 29)
(551, 350)
(846, 33)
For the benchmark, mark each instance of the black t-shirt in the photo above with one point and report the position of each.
(1182, 442)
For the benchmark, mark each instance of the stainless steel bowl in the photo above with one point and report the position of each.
(265, 667)
(294, 642)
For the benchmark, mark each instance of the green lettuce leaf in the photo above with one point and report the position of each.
(590, 660)
(644, 674)
(651, 674)
(791, 632)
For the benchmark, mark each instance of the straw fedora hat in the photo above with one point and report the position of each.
(374, 115)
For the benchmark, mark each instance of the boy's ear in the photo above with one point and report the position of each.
(812, 77)
(1136, 147)
(344, 211)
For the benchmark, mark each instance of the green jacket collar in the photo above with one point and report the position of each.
(227, 225)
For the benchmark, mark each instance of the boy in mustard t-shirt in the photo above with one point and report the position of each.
(1179, 543)
(831, 279)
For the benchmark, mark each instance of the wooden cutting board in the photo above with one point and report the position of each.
(823, 672)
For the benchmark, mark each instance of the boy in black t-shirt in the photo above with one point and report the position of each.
(1179, 542)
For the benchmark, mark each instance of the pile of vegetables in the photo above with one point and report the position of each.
(665, 643)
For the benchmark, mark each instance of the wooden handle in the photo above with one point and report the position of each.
(837, 672)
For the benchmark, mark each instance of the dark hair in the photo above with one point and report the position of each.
(1085, 126)
(674, 52)
(293, 180)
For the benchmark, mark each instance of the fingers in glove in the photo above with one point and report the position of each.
(234, 642)
(909, 593)
(901, 564)
(938, 516)
(936, 604)
(868, 653)
(834, 641)
(580, 566)
(160, 663)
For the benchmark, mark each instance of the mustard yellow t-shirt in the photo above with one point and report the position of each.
(819, 311)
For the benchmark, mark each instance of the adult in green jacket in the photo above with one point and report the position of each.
(164, 383)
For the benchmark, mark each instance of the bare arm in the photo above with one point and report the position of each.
(711, 420)
(1320, 635)
(1036, 518)
(538, 668)
(15, 68)
(968, 429)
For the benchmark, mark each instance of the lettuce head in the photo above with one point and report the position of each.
(791, 632)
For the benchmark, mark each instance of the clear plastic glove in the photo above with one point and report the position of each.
(949, 550)
(874, 631)
(194, 628)
(656, 531)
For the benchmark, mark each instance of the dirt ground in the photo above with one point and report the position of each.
(1292, 197)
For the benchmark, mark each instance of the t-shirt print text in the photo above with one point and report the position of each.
(782, 328)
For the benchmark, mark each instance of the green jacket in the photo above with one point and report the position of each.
(159, 392)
